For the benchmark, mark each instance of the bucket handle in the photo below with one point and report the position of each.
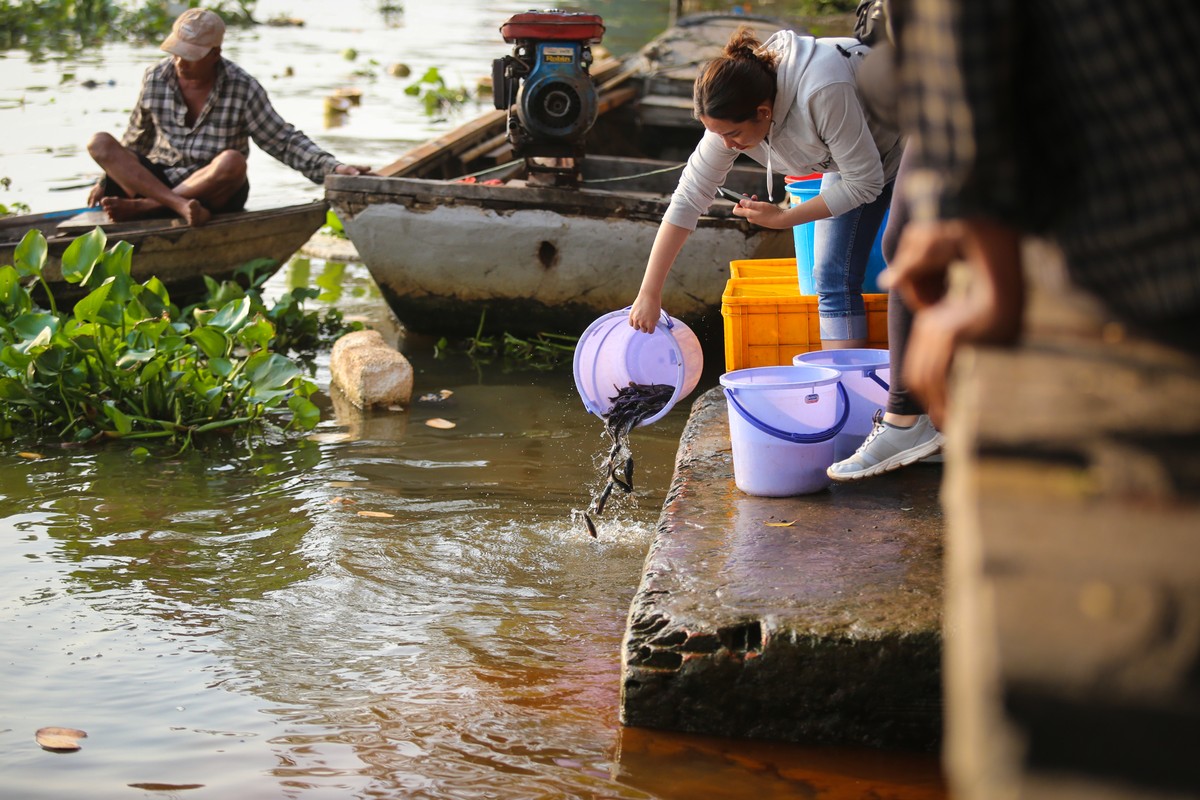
(870, 373)
(789, 436)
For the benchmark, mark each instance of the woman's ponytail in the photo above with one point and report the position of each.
(734, 84)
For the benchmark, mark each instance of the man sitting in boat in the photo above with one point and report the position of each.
(188, 139)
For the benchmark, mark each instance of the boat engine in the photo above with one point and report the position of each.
(546, 80)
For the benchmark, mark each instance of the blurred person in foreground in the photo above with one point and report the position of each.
(1075, 122)
(185, 149)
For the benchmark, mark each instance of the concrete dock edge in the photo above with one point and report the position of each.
(814, 618)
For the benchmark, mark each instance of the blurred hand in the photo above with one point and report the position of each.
(985, 307)
(923, 257)
(96, 193)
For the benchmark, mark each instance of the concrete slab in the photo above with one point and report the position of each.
(812, 618)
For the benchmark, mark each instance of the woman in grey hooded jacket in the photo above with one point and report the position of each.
(791, 104)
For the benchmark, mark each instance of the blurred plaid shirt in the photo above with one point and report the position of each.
(1078, 120)
(237, 110)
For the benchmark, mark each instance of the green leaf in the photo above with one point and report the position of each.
(212, 341)
(221, 366)
(231, 316)
(151, 370)
(81, 255)
(35, 325)
(91, 308)
(155, 287)
(13, 296)
(115, 265)
(30, 255)
(12, 390)
(257, 335)
(270, 376)
(122, 420)
(305, 415)
(131, 358)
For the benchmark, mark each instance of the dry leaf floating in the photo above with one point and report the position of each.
(438, 422)
(380, 514)
(780, 524)
(59, 739)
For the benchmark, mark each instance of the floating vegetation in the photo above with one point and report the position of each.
(632, 405)
(296, 330)
(543, 351)
(436, 96)
(38, 25)
(125, 363)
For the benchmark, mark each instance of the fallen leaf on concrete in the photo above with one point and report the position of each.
(438, 422)
(780, 524)
(55, 738)
(374, 514)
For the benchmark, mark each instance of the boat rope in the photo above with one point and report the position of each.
(671, 168)
(507, 164)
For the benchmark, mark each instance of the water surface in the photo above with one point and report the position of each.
(229, 623)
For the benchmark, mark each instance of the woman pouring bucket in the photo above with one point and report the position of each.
(792, 105)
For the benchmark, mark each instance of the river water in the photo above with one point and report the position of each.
(381, 609)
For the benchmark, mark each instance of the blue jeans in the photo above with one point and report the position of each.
(841, 248)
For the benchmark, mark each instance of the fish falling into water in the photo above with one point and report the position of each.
(632, 404)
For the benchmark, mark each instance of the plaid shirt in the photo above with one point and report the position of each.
(237, 110)
(1078, 120)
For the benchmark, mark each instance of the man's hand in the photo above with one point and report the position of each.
(96, 193)
(986, 309)
(349, 169)
(922, 261)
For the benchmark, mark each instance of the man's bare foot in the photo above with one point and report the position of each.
(122, 209)
(195, 214)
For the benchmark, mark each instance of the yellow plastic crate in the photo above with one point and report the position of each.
(768, 322)
(763, 268)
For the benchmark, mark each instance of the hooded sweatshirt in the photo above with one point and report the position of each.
(818, 124)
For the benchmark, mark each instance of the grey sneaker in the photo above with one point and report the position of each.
(888, 448)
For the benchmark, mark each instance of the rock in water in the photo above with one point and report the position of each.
(369, 371)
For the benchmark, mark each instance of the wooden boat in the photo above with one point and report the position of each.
(457, 227)
(177, 254)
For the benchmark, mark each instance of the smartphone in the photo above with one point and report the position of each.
(728, 195)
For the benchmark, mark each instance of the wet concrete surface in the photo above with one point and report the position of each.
(814, 618)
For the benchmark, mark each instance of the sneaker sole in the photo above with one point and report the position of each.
(897, 461)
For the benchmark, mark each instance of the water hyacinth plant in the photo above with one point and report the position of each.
(119, 365)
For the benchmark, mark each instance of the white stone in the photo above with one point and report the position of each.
(369, 371)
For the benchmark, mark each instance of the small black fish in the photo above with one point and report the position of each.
(603, 498)
(591, 526)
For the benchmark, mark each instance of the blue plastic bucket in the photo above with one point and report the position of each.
(782, 424)
(610, 355)
(866, 374)
(806, 189)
